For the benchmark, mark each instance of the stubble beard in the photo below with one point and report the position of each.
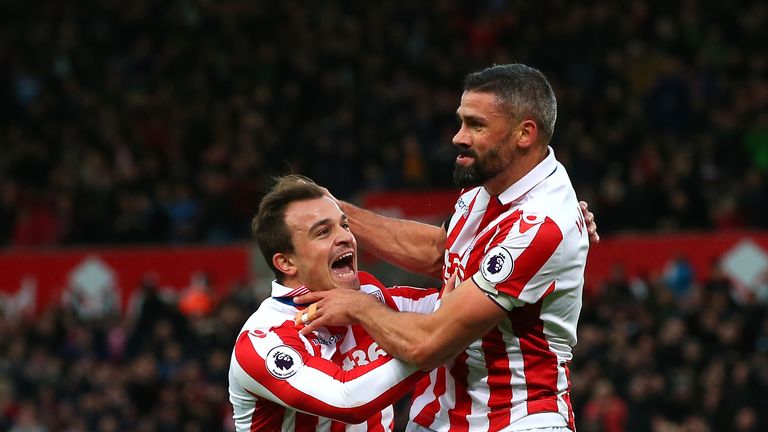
(484, 168)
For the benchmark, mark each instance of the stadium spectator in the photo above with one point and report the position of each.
(154, 124)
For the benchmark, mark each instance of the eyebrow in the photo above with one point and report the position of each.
(327, 221)
(469, 118)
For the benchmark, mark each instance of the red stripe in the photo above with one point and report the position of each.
(505, 227)
(428, 413)
(495, 208)
(411, 293)
(306, 422)
(331, 368)
(539, 363)
(338, 426)
(254, 365)
(297, 291)
(374, 424)
(460, 224)
(267, 416)
(369, 279)
(457, 416)
(499, 380)
(527, 265)
(493, 236)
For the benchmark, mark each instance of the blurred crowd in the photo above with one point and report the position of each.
(651, 357)
(164, 368)
(163, 121)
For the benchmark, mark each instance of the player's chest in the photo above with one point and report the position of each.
(348, 346)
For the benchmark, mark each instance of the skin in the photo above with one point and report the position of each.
(509, 150)
(320, 233)
(486, 136)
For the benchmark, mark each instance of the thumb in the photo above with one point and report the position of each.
(450, 284)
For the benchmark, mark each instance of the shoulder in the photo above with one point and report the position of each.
(413, 293)
(369, 279)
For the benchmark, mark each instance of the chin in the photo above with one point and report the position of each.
(348, 284)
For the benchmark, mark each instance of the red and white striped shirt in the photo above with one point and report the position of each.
(280, 380)
(527, 250)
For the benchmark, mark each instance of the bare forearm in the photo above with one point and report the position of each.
(429, 340)
(414, 246)
(403, 335)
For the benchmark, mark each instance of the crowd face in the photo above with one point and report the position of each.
(325, 251)
(486, 140)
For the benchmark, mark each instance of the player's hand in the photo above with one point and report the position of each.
(589, 218)
(450, 285)
(334, 307)
(328, 193)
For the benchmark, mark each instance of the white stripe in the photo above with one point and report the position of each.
(425, 397)
(479, 391)
(516, 369)
(447, 399)
(326, 388)
(562, 386)
(253, 386)
(289, 420)
(354, 393)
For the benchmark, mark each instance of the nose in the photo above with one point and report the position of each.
(345, 237)
(461, 137)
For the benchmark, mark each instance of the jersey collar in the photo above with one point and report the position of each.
(540, 172)
(280, 290)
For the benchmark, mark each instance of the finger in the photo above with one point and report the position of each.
(312, 312)
(589, 217)
(311, 326)
(306, 315)
(307, 298)
(297, 318)
(584, 206)
(450, 284)
(328, 193)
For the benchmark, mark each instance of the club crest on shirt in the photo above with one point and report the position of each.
(497, 265)
(283, 362)
(379, 296)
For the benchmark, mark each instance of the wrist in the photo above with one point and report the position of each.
(363, 308)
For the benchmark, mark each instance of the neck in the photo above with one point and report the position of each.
(521, 165)
(291, 283)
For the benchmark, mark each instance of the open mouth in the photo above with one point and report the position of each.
(465, 156)
(344, 266)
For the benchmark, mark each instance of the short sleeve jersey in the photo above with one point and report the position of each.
(526, 249)
(335, 379)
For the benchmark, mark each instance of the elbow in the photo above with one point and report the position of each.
(424, 356)
(435, 270)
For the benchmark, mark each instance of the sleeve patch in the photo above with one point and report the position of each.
(497, 265)
(283, 362)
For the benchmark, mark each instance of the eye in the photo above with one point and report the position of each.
(345, 225)
(322, 232)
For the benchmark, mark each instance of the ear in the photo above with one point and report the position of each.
(528, 133)
(284, 264)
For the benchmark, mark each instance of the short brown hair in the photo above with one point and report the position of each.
(268, 226)
(522, 90)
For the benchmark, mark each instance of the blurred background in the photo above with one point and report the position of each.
(136, 139)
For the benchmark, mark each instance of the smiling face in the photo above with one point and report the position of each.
(485, 140)
(324, 253)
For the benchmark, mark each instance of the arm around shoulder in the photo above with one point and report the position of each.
(429, 340)
(414, 246)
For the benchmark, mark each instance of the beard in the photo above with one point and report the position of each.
(484, 168)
